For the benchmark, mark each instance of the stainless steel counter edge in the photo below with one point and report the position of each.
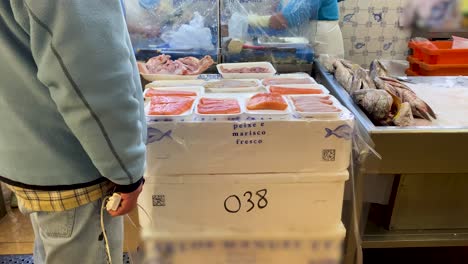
(337, 90)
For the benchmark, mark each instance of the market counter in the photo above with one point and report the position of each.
(428, 164)
(437, 148)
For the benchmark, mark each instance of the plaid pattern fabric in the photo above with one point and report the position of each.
(56, 201)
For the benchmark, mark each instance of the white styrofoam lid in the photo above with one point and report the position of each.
(273, 178)
(334, 232)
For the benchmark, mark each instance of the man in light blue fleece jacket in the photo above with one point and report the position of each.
(73, 127)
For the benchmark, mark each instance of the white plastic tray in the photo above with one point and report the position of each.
(290, 77)
(267, 114)
(254, 88)
(175, 83)
(302, 86)
(199, 90)
(187, 116)
(294, 75)
(246, 75)
(157, 77)
(319, 115)
(219, 117)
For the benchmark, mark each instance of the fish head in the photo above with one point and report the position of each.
(404, 116)
(396, 102)
(328, 62)
(343, 75)
(377, 69)
(350, 66)
(377, 103)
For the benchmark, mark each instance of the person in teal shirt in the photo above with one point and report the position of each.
(316, 19)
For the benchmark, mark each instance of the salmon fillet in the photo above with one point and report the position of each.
(170, 105)
(154, 92)
(284, 90)
(267, 101)
(216, 106)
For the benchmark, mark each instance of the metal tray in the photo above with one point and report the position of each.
(283, 41)
(405, 150)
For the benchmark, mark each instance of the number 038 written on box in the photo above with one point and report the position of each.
(247, 202)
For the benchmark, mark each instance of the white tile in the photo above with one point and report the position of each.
(375, 30)
(350, 3)
(362, 17)
(348, 31)
(401, 46)
(364, 4)
(392, 4)
(374, 45)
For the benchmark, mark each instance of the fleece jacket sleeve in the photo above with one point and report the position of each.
(85, 58)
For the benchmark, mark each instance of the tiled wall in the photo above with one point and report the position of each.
(370, 30)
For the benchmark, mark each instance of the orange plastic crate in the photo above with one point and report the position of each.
(418, 67)
(443, 54)
(414, 65)
(409, 72)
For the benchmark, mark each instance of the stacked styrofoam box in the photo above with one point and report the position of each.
(214, 199)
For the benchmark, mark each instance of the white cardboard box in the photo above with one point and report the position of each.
(324, 247)
(246, 203)
(255, 146)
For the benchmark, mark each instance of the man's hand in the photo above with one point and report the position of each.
(128, 202)
(278, 22)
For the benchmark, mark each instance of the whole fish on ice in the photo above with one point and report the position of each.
(395, 87)
(377, 103)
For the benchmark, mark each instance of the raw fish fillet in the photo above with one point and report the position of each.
(245, 70)
(170, 105)
(231, 84)
(170, 99)
(267, 101)
(154, 92)
(287, 90)
(218, 106)
(276, 81)
(314, 104)
(163, 64)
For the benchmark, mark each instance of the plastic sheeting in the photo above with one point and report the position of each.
(280, 31)
(175, 27)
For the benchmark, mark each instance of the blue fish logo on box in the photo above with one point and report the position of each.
(155, 135)
(343, 131)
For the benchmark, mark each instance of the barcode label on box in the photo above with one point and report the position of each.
(159, 200)
(328, 154)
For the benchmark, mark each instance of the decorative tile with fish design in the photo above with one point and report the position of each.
(370, 30)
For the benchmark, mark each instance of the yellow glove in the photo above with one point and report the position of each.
(258, 21)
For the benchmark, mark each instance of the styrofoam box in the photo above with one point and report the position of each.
(256, 146)
(243, 202)
(324, 247)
